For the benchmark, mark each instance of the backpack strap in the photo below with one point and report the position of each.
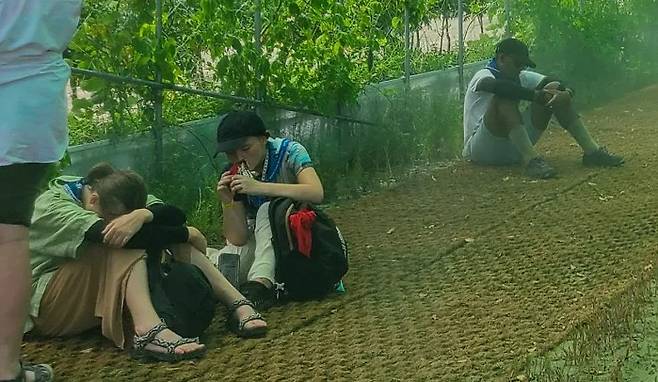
(274, 160)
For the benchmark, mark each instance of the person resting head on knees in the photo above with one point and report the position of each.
(260, 167)
(496, 132)
(88, 246)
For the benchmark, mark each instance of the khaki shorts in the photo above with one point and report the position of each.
(89, 292)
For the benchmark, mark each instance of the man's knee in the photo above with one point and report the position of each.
(502, 116)
(507, 108)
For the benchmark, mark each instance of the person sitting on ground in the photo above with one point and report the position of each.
(270, 167)
(87, 243)
(497, 133)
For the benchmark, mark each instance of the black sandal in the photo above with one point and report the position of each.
(261, 296)
(237, 326)
(42, 373)
(140, 342)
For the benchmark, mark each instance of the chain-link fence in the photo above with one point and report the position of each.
(356, 136)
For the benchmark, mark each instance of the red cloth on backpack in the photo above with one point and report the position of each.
(300, 226)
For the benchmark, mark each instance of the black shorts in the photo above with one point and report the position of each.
(20, 184)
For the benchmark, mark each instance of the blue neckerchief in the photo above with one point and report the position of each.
(74, 189)
(274, 161)
(492, 66)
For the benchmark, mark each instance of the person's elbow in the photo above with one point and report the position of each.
(486, 85)
(317, 199)
(311, 189)
(317, 196)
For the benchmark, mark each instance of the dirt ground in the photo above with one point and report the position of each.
(456, 275)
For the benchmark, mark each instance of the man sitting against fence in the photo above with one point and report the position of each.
(496, 132)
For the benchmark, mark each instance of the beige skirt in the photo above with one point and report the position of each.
(89, 292)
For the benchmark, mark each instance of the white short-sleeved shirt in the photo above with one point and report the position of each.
(33, 77)
(477, 102)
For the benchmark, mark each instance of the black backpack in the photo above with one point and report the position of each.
(183, 297)
(307, 277)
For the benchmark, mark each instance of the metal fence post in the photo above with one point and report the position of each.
(508, 18)
(158, 98)
(460, 21)
(258, 26)
(407, 47)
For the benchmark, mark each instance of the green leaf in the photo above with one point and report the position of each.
(395, 22)
(81, 103)
(336, 48)
(93, 84)
(294, 10)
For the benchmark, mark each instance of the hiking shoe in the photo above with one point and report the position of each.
(602, 158)
(538, 168)
(261, 296)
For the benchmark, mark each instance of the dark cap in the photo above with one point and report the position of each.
(517, 48)
(235, 127)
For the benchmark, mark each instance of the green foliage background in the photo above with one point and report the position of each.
(321, 54)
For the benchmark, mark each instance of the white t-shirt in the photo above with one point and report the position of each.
(477, 102)
(33, 77)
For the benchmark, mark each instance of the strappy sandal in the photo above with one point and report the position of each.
(140, 343)
(237, 325)
(42, 373)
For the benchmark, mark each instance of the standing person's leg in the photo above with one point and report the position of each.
(15, 287)
(20, 188)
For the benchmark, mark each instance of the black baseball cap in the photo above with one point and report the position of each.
(235, 127)
(516, 48)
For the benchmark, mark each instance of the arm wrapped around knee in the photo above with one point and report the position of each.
(509, 89)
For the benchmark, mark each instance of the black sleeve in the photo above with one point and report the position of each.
(166, 214)
(150, 236)
(506, 89)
